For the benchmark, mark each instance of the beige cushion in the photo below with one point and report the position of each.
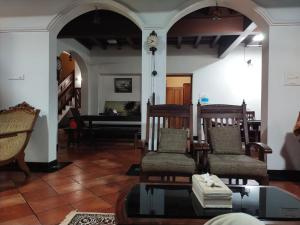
(168, 162)
(234, 219)
(236, 165)
(226, 140)
(172, 140)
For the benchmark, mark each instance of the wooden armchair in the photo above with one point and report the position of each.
(16, 125)
(166, 152)
(219, 132)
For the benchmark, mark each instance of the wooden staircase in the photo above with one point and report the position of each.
(68, 96)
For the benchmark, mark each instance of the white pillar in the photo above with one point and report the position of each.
(150, 84)
(283, 100)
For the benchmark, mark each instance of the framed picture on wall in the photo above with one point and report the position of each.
(123, 85)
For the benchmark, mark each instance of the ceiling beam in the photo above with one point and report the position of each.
(225, 49)
(215, 41)
(197, 41)
(131, 43)
(179, 41)
(99, 43)
(207, 26)
(119, 44)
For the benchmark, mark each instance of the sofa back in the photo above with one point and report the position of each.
(123, 108)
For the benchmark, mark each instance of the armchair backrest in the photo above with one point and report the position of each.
(18, 118)
(167, 116)
(220, 115)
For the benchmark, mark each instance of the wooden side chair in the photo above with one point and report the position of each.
(219, 130)
(16, 126)
(166, 152)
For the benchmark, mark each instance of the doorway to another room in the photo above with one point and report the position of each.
(179, 89)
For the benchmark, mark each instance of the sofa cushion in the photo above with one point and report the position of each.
(226, 140)
(172, 140)
(236, 165)
(168, 162)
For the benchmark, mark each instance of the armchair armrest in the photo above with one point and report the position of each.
(201, 146)
(261, 147)
(143, 147)
(13, 133)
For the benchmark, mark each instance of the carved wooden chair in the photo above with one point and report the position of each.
(16, 126)
(219, 130)
(166, 152)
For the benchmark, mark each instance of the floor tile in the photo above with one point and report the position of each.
(33, 186)
(9, 192)
(15, 212)
(54, 216)
(27, 220)
(70, 187)
(77, 196)
(91, 204)
(41, 194)
(11, 200)
(47, 203)
(100, 190)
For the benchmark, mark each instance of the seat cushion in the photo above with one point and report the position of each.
(226, 140)
(172, 140)
(236, 165)
(168, 162)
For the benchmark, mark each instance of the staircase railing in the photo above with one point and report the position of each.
(66, 91)
(77, 98)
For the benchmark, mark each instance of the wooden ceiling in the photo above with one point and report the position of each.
(218, 27)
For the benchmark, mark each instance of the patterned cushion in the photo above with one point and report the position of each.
(226, 140)
(236, 165)
(172, 140)
(167, 162)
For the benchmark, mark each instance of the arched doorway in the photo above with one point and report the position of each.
(258, 16)
(63, 18)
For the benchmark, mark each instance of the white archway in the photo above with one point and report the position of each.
(72, 11)
(84, 83)
(257, 15)
(78, 8)
(246, 7)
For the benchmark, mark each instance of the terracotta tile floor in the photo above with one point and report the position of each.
(91, 183)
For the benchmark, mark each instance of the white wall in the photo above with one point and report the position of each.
(27, 53)
(283, 101)
(106, 90)
(78, 77)
(109, 64)
(224, 81)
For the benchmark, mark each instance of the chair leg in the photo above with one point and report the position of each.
(143, 176)
(22, 164)
(264, 180)
(245, 181)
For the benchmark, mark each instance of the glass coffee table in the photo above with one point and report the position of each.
(177, 204)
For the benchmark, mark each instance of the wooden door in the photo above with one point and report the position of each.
(175, 95)
(187, 94)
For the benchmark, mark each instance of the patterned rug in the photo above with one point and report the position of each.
(89, 218)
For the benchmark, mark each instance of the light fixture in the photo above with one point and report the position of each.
(216, 13)
(112, 41)
(258, 38)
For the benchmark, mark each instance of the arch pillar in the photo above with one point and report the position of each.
(153, 84)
